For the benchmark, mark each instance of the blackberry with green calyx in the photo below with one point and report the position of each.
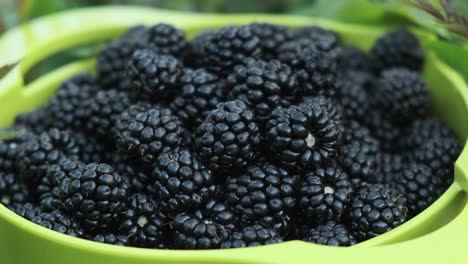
(25, 210)
(330, 233)
(165, 39)
(302, 136)
(376, 209)
(153, 76)
(143, 223)
(325, 40)
(397, 49)
(12, 190)
(111, 238)
(95, 195)
(200, 92)
(144, 131)
(420, 187)
(103, 110)
(263, 194)
(182, 183)
(354, 59)
(251, 236)
(206, 228)
(59, 222)
(229, 137)
(391, 166)
(270, 37)
(324, 194)
(403, 95)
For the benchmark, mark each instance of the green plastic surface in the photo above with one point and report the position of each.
(438, 235)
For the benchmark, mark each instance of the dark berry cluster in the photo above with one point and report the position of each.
(244, 136)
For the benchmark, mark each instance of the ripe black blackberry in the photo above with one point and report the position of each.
(134, 173)
(41, 151)
(388, 133)
(206, 228)
(48, 185)
(182, 183)
(200, 92)
(302, 136)
(325, 40)
(223, 49)
(103, 111)
(95, 195)
(193, 56)
(376, 209)
(144, 131)
(397, 49)
(354, 59)
(228, 138)
(93, 149)
(251, 236)
(402, 95)
(12, 190)
(263, 84)
(353, 99)
(324, 194)
(423, 130)
(270, 37)
(110, 238)
(35, 121)
(330, 233)
(10, 149)
(263, 194)
(25, 210)
(420, 187)
(143, 223)
(165, 39)
(153, 76)
(59, 222)
(391, 166)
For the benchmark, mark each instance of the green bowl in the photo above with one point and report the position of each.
(438, 235)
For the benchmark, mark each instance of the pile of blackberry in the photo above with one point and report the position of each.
(244, 136)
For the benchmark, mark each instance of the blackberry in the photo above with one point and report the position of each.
(59, 222)
(12, 190)
(420, 187)
(35, 121)
(111, 64)
(330, 233)
(200, 92)
(25, 210)
(142, 222)
(92, 149)
(111, 238)
(354, 59)
(136, 34)
(324, 194)
(302, 136)
(49, 184)
(95, 195)
(251, 236)
(165, 39)
(229, 137)
(325, 40)
(263, 84)
(103, 111)
(354, 100)
(334, 109)
(384, 130)
(205, 228)
(423, 130)
(144, 131)
(391, 166)
(376, 209)
(403, 95)
(134, 174)
(270, 37)
(195, 51)
(361, 78)
(181, 181)
(397, 49)
(222, 50)
(41, 151)
(10, 150)
(264, 194)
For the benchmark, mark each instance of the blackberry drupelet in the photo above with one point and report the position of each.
(391, 166)
(12, 190)
(103, 110)
(206, 228)
(330, 233)
(59, 222)
(41, 151)
(144, 131)
(251, 236)
(397, 49)
(47, 187)
(95, 195)
(324, 194)
(165, 39)
(153, 76)
(182, 183)
(25, 210)
(143, 224)
(323, 39)
(263, 84)
(302, 136)
(270, 37)
(420, 187)
(376, 209)
(111, 238)
(229, 137)
(354, 59)
(402, 95)
(200, 92)
(263, 194)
